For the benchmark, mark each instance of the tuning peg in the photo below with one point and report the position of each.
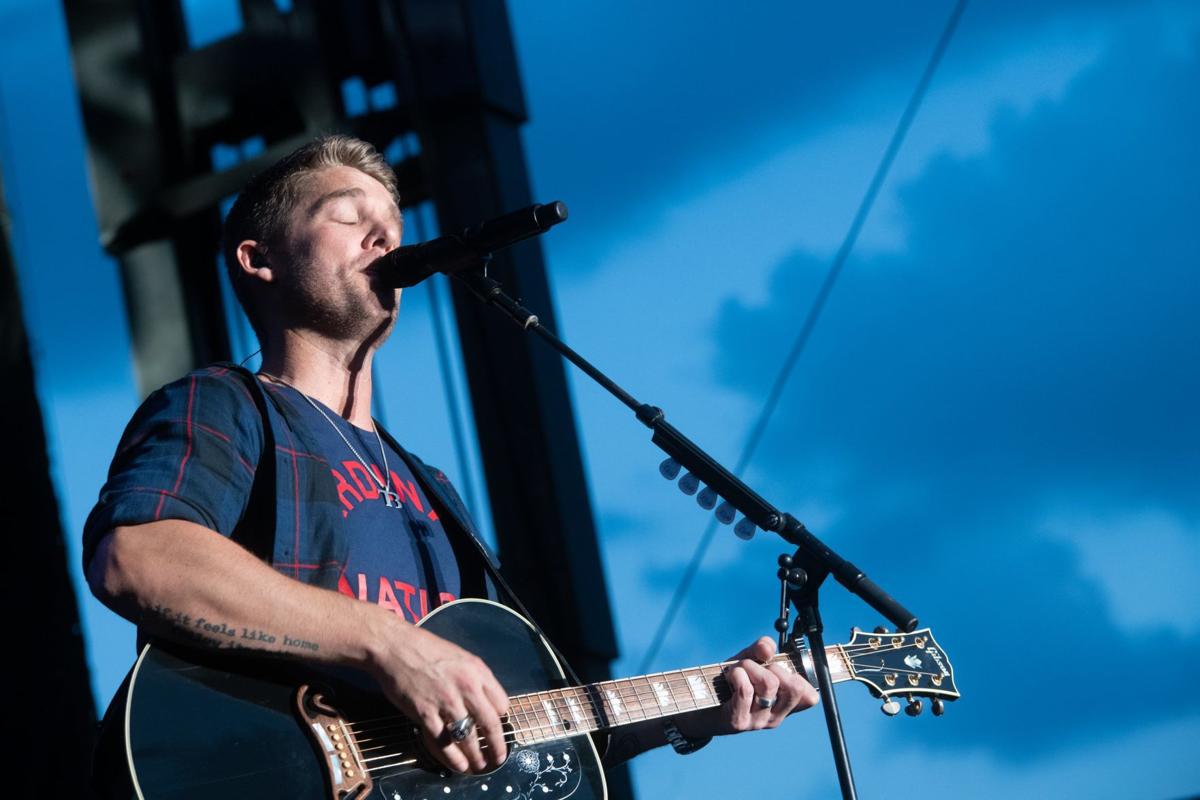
(707, 498)
(669, 469)
(914, 707)
(689, 483)
(745, 529)
(937, 707)
(881, 629)
(891, 707)
(726, 513)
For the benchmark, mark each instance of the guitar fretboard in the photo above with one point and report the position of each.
(557, 713)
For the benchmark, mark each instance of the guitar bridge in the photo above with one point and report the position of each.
(346, 773)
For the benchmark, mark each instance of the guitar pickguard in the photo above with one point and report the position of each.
(549, 771)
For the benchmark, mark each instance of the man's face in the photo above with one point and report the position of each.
(343, 222)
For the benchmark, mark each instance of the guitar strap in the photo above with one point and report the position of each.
(256, 529)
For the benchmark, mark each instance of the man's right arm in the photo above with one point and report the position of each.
(182, 581)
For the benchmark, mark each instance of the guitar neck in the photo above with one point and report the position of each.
(553, 714)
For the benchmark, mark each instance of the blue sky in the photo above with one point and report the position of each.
(996, 416)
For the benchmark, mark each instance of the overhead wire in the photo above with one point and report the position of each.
(810, 321)
(446, 367)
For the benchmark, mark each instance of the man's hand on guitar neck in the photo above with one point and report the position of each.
(751, 680)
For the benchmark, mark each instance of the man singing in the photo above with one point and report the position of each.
(275, 504)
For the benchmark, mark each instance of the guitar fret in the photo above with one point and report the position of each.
(839, 664)
(523, 725)
(551, 713)
(615, 704)
(553, 728)
(671, 692)
(663, 693)
(631, 698)
(575, 711)
(698, 686)
(536, 726)
(698, 691)
(543, 722)
(641, 694)
(651, 702)
(593, 708)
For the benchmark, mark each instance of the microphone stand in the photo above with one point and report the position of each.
(803, 572)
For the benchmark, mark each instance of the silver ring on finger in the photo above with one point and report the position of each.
(764, 702)
(460, 729)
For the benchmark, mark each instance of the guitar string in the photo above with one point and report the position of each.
(781, 660)
(559, 730)
(408, 761)
(527, 707)
(534, 733)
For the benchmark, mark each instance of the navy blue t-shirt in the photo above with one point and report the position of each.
(398, 557)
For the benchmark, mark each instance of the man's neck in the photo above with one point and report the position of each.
(332, 372)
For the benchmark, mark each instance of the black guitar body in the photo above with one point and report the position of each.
(213, 726)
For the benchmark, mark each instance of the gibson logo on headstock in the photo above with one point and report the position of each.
(933, 653)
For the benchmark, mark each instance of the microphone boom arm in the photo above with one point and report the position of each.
(696, 461)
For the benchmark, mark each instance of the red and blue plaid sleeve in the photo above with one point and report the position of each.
(190, 453)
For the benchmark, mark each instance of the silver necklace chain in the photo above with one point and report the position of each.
(390, 498)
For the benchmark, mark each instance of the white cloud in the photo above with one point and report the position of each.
(1146, 561)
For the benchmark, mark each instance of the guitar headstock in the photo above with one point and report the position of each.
(893, 665)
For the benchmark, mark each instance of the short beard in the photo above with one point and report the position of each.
(341, 316)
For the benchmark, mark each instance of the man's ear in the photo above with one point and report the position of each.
(252, 258)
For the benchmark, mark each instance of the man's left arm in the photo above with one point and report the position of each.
(749, 680)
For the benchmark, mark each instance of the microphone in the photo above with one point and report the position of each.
(407, 266)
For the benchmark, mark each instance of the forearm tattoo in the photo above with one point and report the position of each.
(228, 637)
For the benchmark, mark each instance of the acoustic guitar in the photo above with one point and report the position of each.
(201, 724)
